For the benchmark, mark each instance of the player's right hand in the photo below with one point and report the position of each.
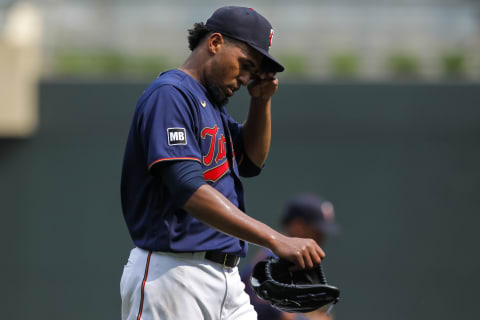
(263, 86)
(303, 253)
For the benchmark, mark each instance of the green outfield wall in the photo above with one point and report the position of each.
(400, 162)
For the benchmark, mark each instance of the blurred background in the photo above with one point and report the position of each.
(378, 111)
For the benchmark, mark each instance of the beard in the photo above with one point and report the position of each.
(217, 95)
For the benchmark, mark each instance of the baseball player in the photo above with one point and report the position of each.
(182, 197)
(305, 215)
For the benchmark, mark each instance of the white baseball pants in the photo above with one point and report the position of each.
(181, 286)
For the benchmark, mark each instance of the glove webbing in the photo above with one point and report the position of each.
(323, 280)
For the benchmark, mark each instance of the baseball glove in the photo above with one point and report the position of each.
(292, 291)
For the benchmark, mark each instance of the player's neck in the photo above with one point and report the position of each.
(193, 68)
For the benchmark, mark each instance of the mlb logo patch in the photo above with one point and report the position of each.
(176, 136)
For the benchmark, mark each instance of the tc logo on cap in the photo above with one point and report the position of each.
(271, 36)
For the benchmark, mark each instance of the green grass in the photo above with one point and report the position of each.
(344, 64)
(295, 64)
(453, 64)
(108, 63)
(402, 64)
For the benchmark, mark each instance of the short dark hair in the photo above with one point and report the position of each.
(200, 32)
(197, 34)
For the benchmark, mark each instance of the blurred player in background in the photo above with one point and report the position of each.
(305, 216)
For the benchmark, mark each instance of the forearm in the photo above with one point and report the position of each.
(211, 207)
(256, 131)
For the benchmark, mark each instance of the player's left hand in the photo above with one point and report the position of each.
(263, 86)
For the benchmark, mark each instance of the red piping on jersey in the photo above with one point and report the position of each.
(143, 286)
(216, 173)
(172, 159)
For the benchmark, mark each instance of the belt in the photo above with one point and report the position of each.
(226, 259)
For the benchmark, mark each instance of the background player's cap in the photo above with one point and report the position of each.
(247, 25)
(315, 211)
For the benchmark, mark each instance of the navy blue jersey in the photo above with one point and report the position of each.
(175, 120)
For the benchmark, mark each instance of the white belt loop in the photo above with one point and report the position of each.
(200, 255)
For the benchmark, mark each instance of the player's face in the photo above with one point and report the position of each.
(233, 65)
(301, 229)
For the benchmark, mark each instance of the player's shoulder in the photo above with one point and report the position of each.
(172, 77)
(172, 83)
(162, 88)
(171, 80)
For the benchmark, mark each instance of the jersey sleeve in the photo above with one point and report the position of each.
(246, 167)
(168, 127)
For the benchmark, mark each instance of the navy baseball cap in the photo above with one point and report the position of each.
(315, 211)
(247, 25)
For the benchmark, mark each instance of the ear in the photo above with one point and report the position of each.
(215, 42)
